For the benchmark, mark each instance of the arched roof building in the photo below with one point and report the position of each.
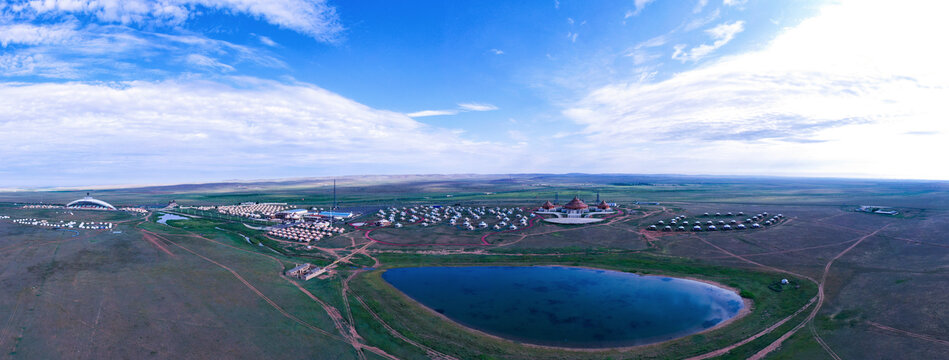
(89, 202)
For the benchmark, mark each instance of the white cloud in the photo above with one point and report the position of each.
(638, 5)
(67, 51)
(802, 105)
(425, 113)
(313, 18)
(652, 42)
(722, 34)
(27, 34)
(477, 107)
(496, 51)
(266, 41)
(208, 45)
(700, 22)
(137, 130)
(463, 107)
(642, 57)
(204, 61)
(726, 31)
(734, 2)
(699, 5)
(517, 135)
(36, 65)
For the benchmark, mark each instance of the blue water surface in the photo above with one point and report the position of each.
(166, 217)
(568, 306)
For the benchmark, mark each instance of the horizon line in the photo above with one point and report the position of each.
(331, 177)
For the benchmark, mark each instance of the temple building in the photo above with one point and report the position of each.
(576, 206)
(603, 205)
(548, 205)
(574, 212)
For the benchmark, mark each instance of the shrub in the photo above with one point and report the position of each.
(746, 294)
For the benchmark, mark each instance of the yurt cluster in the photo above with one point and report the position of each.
(725, 222)
(307, 232)
(134, 210)
(43, 206)
(253, 210)
(65, 224)
(469, 218)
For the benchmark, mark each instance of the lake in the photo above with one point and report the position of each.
(166, 217)
(568, 306)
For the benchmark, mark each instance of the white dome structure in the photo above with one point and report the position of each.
(89, 202)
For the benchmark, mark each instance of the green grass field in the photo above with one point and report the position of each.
(198, 289)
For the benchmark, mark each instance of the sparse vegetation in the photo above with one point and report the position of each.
(875, 291)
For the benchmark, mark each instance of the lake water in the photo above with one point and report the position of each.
(165, 217)
(566, 306)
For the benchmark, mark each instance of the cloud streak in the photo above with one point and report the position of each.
(204, 61)
(229, 129)
(68, 51)
(477, 107)
(722, 34)
(313, 18)
(638, 6)
(802, 105)
(463, 107)
(29, 34)
(425, 113)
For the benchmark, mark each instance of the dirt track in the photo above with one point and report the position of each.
(809, 320)
(910, 334)
(347, 331)
(343, 320)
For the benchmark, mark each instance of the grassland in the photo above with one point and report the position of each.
(108, 295)
(198, 289)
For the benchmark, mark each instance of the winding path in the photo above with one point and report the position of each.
(246, 284)
(350, 336)
(820, 301)
(348, 331)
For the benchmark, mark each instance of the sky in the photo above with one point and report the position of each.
(110, 92)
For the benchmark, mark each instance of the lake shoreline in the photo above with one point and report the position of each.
(745, 310)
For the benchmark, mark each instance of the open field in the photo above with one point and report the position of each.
(104, 295)
(208, 288)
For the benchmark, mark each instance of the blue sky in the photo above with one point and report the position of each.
(99, 92)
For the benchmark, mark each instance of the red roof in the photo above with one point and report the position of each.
(576, 204)
(548, 205)
(603, 205)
